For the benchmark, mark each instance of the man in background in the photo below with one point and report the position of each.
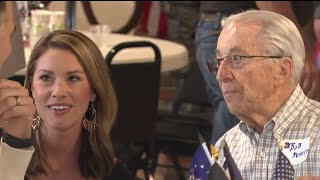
(207, 33)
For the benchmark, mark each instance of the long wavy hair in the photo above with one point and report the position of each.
(96, 154)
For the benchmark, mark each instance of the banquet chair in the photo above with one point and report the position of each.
(137, 88)
(177, 129)
(89, 13)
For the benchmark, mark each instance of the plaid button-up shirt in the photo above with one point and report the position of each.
(256, 154)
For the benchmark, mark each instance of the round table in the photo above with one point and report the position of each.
(173, 55)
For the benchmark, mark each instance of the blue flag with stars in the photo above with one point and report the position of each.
(200, 165)
(283, 169)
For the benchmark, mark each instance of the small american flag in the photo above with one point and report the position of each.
(283, 169)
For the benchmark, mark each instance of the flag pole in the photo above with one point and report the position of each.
(205, 148)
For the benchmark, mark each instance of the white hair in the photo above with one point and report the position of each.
(279, 35)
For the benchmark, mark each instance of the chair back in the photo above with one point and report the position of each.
(89, 13)
(193, 90)
(137, 88)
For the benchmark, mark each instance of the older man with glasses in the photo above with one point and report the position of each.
(260, 57)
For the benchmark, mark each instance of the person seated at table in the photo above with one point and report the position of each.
(260, 57)
(76, 106)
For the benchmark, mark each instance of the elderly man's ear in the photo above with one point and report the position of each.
(284, 71)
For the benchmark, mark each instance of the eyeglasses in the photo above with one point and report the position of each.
(233, 61)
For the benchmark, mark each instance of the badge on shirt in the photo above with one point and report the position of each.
(296, 150)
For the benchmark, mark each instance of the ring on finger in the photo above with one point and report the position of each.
(18, 100)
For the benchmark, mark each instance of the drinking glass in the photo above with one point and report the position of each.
(100, 33)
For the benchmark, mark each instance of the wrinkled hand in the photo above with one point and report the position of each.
(16, 120)
(310, 78)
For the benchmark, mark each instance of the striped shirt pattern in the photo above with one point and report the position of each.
(256, 154)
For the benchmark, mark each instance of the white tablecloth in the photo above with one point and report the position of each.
(174, 55)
